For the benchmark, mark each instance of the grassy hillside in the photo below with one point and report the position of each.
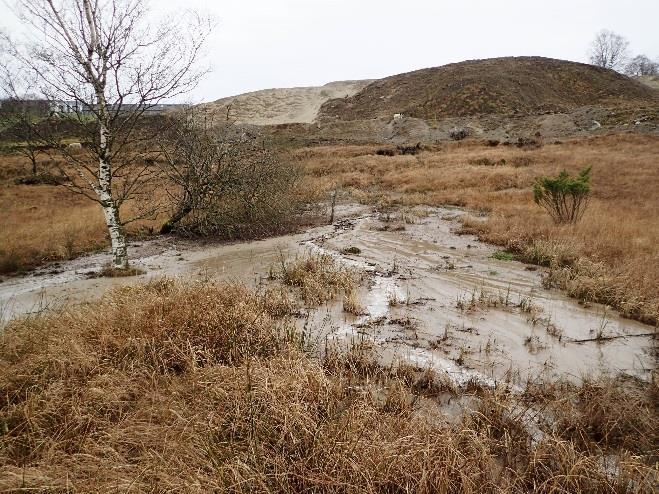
(499, 85)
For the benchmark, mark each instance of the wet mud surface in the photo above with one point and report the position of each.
(431, 297)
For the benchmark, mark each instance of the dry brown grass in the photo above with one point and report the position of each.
(319, 277)
(610, 256)
(352, 304)
(204, 387)
(604, 414)
(42, 223)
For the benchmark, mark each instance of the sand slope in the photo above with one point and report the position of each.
(286, 105)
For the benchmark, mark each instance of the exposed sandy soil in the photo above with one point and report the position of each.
(432, 297)
(281, 106)
(649, 80)
(580, 122)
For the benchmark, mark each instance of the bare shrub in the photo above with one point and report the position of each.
(564, 197)
(415, 149)
(19, 126)
(608, 50)
(226, 181)
(458, 134)
(641, 65)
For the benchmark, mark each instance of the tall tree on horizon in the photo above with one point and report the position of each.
(609, 50)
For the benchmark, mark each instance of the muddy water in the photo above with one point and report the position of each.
(432, 297)
(73, 281)
(479, 318)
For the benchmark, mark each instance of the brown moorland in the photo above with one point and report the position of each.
(202, 387)
(521, 85)
(610, 256)
(43, 222)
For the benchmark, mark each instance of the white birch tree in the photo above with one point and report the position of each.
(112, 66)
(609, 50)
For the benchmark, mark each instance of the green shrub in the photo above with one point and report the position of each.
(564, 197)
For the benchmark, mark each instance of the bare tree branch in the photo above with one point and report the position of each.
(609, 50)
(113, 66)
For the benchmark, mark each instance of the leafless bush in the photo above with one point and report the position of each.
(641, 65)
(225, 181)
(416, 149)
(18, 125)
(386, 152)
(458, 134)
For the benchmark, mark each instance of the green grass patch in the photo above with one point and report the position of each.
(504, 255)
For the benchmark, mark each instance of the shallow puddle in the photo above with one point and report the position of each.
(476, 317)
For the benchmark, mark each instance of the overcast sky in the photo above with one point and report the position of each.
(261, 44)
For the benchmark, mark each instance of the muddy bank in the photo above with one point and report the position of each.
(432, 297)
(74, 281)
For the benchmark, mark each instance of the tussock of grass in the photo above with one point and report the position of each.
(593, 281)
(502, 255)
(112, 272)
(603, 415)
(199, 387)
(352, 305)
(319, 277)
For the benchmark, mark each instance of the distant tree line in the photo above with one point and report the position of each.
(610, 50)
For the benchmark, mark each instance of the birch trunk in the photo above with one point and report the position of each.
(108, 203)
(117, 236)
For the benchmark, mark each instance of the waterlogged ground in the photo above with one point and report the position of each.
(431, 297)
